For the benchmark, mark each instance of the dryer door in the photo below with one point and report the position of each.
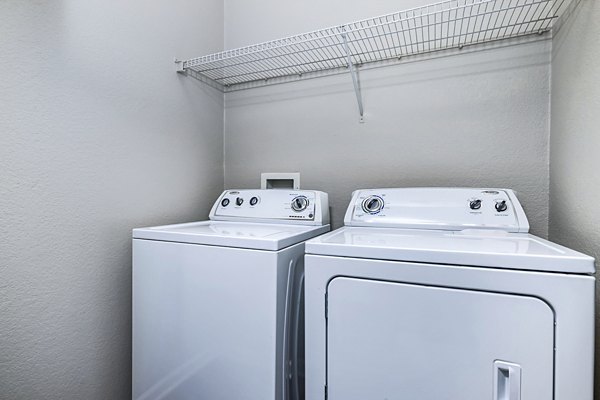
(398, 341)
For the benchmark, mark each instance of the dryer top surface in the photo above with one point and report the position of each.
(483, 248)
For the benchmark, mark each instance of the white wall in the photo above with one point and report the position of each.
(478, 119)
(575, 138)
(97, 135)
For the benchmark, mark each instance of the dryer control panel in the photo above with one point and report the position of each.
(438, 209)
(304, 207)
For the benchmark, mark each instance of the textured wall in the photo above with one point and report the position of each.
(478, 119)
(575, 138)
(97, 135)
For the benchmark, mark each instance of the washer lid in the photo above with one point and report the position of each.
(482, 248)
(232, 234)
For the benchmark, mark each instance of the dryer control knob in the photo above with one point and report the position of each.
(501, 206)
(299, 203)
(224, 202)
(475, 204)
(372, 204)
(254, 201)
(239, 201)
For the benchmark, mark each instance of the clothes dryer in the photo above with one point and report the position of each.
(217, 304)
(440, 293)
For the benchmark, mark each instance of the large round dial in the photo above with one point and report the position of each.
(299, 203)
(372, 204)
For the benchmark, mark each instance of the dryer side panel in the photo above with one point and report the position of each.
(389, 340)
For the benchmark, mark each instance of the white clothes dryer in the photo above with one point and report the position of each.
(441, 294)
(217, 304)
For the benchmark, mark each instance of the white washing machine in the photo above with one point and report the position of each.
(216, 304)
(441, 294)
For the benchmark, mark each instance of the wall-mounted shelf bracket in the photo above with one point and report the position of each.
(179, 65)
(354, 74)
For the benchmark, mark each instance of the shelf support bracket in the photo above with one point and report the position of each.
(354, 75)
(179, 66)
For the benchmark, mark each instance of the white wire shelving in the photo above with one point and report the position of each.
(441, 26)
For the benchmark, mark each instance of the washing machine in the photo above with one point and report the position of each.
(217, 304)
(442, 294)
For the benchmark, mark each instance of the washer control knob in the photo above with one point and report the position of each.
(254, 201)
(239, 201)
(224, 202)
(475, 204)
(501, 205)
(299, 203)
(372, 204)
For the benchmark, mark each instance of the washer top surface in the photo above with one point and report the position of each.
(258, 236)
(252, 219)
(484, 248)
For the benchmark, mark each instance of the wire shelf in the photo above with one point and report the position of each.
(440, 26)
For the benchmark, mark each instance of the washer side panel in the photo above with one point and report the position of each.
(204, 321)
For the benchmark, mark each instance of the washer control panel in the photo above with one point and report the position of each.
(437, 208)
(272, 205)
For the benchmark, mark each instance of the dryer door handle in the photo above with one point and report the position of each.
(507, 381)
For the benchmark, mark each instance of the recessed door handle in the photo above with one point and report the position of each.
(507, 381)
